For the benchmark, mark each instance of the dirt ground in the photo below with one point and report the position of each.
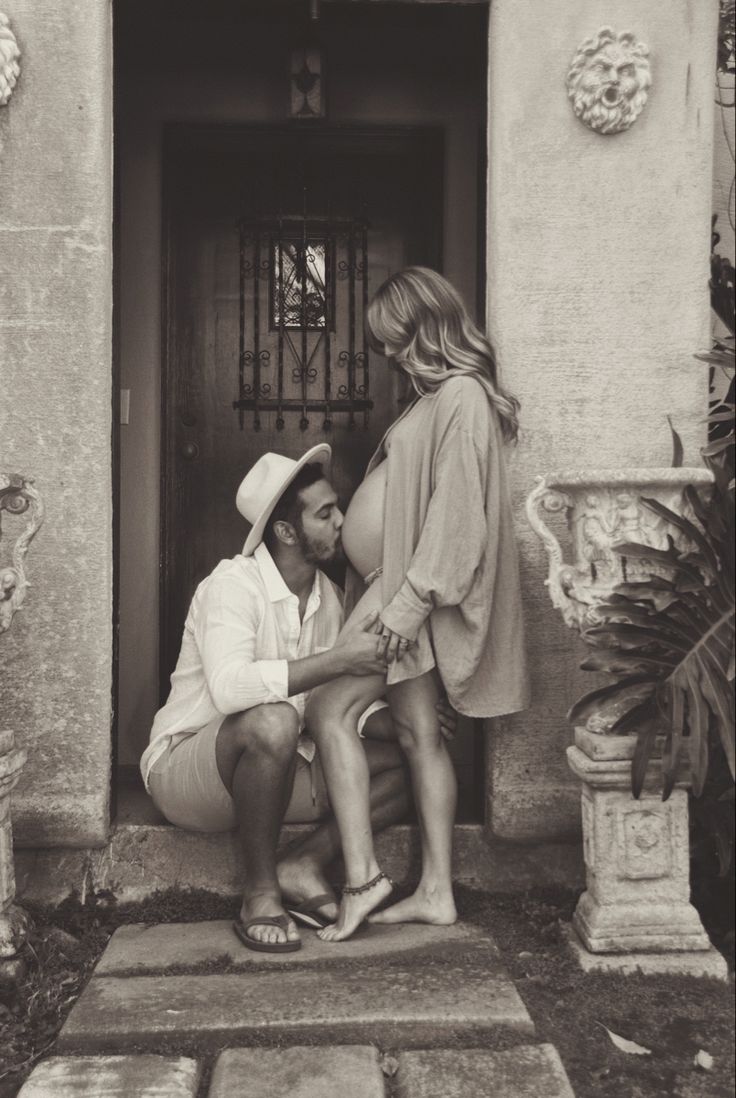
(673, 1017)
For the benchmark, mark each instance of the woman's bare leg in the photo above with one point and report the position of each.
(332, 718)
(413, 708)
(302, 868)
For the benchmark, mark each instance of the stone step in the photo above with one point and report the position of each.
(113, 1077)
(526, 1071)
(348, 1071)
(403, 987)
(143, 857)
(140, 949)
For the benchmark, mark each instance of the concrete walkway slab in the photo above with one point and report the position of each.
(458, 989)
(138, 949)
(526, 1071)
(351, 1071)
(113, 1077)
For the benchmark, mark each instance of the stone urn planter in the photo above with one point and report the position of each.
(12, 918)
(636, 851)
(17, 497)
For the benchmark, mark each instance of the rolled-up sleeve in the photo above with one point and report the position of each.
(225, 633)
(453, 536)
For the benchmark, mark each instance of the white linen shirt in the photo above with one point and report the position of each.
(241, 630)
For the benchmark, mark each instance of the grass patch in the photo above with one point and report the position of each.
(674, 1016)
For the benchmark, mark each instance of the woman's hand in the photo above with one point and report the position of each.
(392, 645)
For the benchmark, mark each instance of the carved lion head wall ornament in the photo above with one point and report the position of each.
(609, 80)
(9, 56)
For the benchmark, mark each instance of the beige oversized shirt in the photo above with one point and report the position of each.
(450, 570)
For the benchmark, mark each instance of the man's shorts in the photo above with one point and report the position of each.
(186, 787)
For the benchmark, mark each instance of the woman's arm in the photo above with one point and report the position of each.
(453, 537)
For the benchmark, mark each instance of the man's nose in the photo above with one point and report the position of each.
(339, 518)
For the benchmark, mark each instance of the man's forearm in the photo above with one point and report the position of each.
(311, 671)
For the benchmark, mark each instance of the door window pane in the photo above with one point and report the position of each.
(298, 284)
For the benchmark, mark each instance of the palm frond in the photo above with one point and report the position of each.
(668, 643)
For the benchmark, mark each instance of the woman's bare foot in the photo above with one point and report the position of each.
(268, 904)
(354, 909)
(300, 879)
(423, 907)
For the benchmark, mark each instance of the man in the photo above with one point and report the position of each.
(229, 749)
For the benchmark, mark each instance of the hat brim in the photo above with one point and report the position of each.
(322, 454)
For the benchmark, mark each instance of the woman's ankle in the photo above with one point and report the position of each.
(435, 890)
(361, 872)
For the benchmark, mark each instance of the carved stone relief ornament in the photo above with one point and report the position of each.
(9, 56)
(609, 80)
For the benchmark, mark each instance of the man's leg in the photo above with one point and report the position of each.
(302, 869)
(256, 758)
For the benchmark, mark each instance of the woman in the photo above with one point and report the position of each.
(430, 533)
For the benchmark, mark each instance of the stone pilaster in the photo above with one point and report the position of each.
(595, 333)
(56, 410)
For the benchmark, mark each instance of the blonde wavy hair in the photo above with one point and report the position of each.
(419, 319)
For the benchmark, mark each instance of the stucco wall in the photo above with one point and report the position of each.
(55, 417)
(598, 298)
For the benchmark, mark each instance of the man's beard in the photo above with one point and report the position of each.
(315, 551)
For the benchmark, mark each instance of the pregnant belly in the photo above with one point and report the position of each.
(362, 530)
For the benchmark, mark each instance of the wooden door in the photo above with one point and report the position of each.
(240, 204)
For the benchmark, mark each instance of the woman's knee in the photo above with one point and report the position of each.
(416, 732)
(327, 713)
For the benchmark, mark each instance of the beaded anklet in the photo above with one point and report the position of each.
(356, 891)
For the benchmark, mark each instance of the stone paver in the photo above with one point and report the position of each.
(526, 1071)
(701, 962)
(446, 991)
(350, 1071)
(139, 948)
(113, 1077)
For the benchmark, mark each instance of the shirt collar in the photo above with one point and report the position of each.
(274, 583)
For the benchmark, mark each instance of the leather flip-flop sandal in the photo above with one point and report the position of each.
(281, 921)
(309, 914)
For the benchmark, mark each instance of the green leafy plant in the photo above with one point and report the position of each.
(726, 37)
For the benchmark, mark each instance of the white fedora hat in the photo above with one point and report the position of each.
(264, 485)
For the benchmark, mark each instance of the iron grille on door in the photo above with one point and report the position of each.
(303, 300)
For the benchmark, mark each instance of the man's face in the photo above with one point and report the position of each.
(318, 531)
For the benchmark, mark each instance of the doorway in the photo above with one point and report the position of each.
(202, 102)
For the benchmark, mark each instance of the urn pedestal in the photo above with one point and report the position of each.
(636, 910)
